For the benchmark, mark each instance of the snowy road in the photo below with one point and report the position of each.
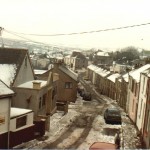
(84, 124)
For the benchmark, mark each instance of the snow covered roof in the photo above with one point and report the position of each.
(113, 77)
(135, 74)
(4, 90)
(59, 57)
(102, 72)
(16, 112)
(29, 84)
(8, 72)
(98, 70)
(147, 72)
(126, 77)
(102, 54)
(39, 71)
(92, 67)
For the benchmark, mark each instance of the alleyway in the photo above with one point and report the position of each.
(84, 124)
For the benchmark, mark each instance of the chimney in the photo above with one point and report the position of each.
(36, 85)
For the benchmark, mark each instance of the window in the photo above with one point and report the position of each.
(44, 100)
(20, 122)
(2, 119)
(141, 107)
(132, 88)
(135, 90)
(143, 84)
(133, 106)
(68, 85)
(148, 121)
(40, 102)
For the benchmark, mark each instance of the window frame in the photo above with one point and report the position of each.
(21, 121)
(68, 85)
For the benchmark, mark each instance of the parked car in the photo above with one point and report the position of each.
(82, 92)
(103, 145)
(112, 115)
(87, 96)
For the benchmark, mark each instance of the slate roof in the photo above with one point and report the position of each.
(69, 72)
(12, 56)
(78, 55)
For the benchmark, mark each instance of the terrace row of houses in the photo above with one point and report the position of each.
(131, 91)
(29, 97)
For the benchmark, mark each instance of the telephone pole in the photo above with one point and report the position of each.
(1, 30)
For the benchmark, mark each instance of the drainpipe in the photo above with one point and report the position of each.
(9, 107)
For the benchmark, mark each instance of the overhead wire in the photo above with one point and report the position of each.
(75, 33)
(15, 34)
(85, 32)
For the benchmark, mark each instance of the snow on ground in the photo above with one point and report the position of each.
(99, 132)
(59, 123)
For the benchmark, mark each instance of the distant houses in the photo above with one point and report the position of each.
(76, 61)
(102, 59)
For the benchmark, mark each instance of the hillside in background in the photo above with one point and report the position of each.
(33, 46)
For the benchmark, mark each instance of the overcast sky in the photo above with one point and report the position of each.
(69, 16)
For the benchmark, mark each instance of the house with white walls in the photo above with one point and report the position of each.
(17, 72)
(142, 100)
(76, 60)
(22, 128)
(122, 90)
(90, 72)
(133, 91)
(101, 80)
(110, 83)
(14, 122)
(146, 130)
(5, 104)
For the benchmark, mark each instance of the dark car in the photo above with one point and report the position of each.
(112, 115)
(81, 90)
(87, 96)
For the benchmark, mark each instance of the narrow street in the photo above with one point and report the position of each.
(84, 124)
